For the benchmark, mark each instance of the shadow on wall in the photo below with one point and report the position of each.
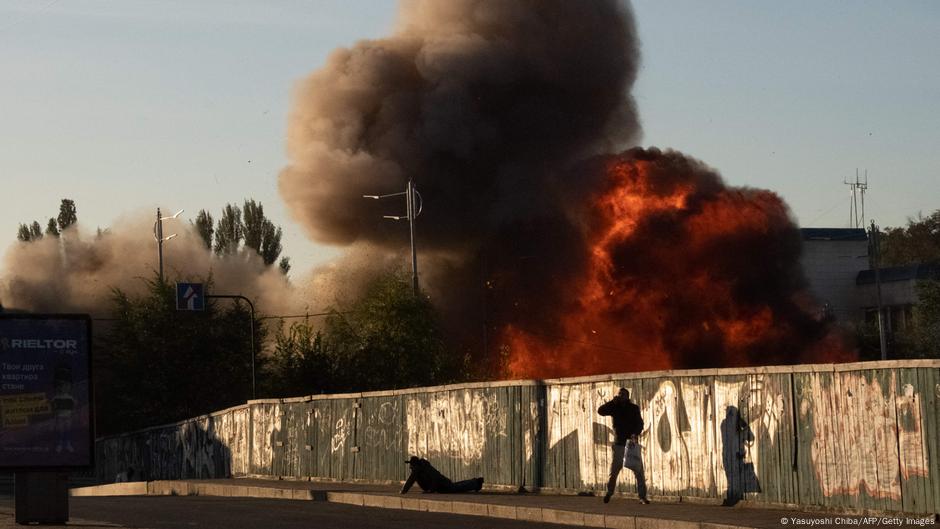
(736, 438)
(190, 450)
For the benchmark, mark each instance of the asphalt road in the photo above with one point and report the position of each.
(204, 512)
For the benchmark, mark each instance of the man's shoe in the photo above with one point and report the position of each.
(607, 497)
(644, 501)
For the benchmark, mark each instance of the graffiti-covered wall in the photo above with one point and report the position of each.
(853, 436)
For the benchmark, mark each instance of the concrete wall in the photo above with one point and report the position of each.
(831, 267)
(893, 293)
(854, 436)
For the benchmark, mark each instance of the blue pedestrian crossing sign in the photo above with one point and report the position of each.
(190, 296)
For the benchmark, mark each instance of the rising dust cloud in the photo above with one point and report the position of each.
(78, 272)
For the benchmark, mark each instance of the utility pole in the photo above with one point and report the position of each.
(876, 262)
(158, 228)
(413, 206)
(858, 187)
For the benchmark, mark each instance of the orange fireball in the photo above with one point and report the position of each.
(681, 271)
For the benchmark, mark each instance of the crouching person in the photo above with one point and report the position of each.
(431, 480)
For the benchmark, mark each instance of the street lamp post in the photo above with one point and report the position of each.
(413, 206)
(158, 236)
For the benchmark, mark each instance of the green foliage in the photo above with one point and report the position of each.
(204, 228)
(51, 229)
(23, 233)
(917, 243)
(29, 232)
(926, 334)
(158, 365)
(299, 365)
(253, 224)
(249, 224)
(284, 265)
(33, 232)
(388, 339)
(261, 235)
(270, 242)
(68, 215)
(228, 232)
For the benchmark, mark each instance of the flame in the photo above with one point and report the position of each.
(681, 272)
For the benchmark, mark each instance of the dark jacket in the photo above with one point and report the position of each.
(427, 477)
(626, 416)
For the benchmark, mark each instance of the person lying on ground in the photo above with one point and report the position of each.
(431, 480)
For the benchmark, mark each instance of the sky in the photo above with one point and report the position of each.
(129, 105)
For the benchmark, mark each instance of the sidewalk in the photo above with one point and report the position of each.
(585, 511)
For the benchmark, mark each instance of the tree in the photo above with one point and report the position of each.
(35, 231)
(927, 319)
(68, 215)
(228, 233)
(261, 235)
(270, 242)
(23, 233)
(158, 365)
(29, 232)
(248, 224)
(284, 265)
(253, 224)
(51, 228)
(204, 228)
(917, 243)
(388, 339)
(299, 365)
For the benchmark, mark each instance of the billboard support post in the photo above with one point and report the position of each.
(41, 497)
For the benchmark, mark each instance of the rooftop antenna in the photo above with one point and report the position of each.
(858, 187)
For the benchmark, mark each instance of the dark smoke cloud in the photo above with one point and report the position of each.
(477, 101)
(484, 104)
(504, 112)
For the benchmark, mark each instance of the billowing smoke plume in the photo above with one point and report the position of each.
(77, 272)
(476, 101)
(546, 254)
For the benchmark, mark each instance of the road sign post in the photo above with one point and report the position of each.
(192, 297)
(251, 330)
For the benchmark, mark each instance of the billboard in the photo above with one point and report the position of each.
(45, 391)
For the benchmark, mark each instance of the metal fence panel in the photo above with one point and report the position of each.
(861, 437)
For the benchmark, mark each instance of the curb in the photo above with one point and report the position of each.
(384, 501)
